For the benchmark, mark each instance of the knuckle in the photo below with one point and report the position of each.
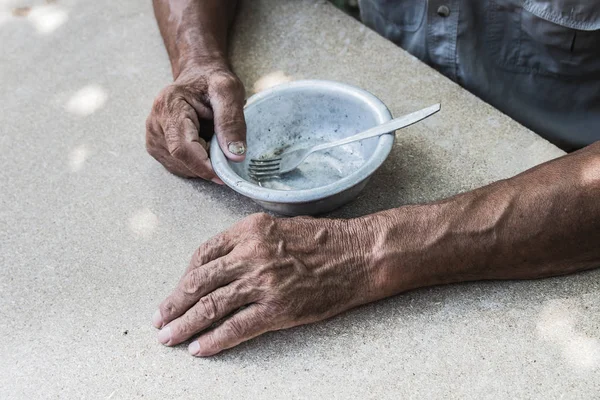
(208, 307)
(218, 267)
(243, 290)
(218, 241)
(160, 101)
(204, 253)
(269, 280)
(170, 101)
(198, 257)
(226, 82)
(176, 149)
(224, 79)
(234, 329)
(168, 308)
(167, 93)
(259, 249)
(259, 220)
(250, 289)
(193, 282)
(272, 309)
(238, 287)
(211, 244)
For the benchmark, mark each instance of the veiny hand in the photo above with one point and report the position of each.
(266, 274)
(174, 135)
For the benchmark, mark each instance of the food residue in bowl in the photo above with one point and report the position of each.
(319, 169)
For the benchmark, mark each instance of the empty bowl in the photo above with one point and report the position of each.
(302, 114)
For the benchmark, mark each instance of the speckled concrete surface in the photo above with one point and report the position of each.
(93, 232)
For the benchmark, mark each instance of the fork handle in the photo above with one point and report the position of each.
(388, 127)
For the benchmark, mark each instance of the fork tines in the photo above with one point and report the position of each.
(264, 168)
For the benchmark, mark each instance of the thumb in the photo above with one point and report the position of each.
(230, 125)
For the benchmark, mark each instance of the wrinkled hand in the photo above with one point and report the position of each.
(174, 135)
(266, 274)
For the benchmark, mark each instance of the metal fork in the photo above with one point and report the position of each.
(290, 160)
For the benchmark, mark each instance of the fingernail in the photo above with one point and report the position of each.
(194, 348)
(164, 336)
(217, 181)
(157, 320)
(237, 148)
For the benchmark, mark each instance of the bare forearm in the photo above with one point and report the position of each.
(195, 32)
(543, 222)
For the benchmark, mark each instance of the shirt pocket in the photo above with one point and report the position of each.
(547, 37)
(393, 15)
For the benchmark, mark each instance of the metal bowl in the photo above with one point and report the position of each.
(301, 114)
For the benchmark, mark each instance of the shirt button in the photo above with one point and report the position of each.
(443, 11)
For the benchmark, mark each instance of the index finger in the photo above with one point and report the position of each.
(208, 270)
(184, 144)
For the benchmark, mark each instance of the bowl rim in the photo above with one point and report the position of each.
(382, 150)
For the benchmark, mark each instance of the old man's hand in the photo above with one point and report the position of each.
(174, 135)
(265, 274)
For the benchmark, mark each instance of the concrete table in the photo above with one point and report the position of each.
(94, 232)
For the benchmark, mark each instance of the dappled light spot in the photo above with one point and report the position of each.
(5, 16)
(269, 80)
(556, 321)
(557, 325)
(143, 223)
(87, 100)
(582, 351)
(47, 18)
(77, 157)
(590, 173)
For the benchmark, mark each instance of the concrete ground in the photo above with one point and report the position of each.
(94, 232)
